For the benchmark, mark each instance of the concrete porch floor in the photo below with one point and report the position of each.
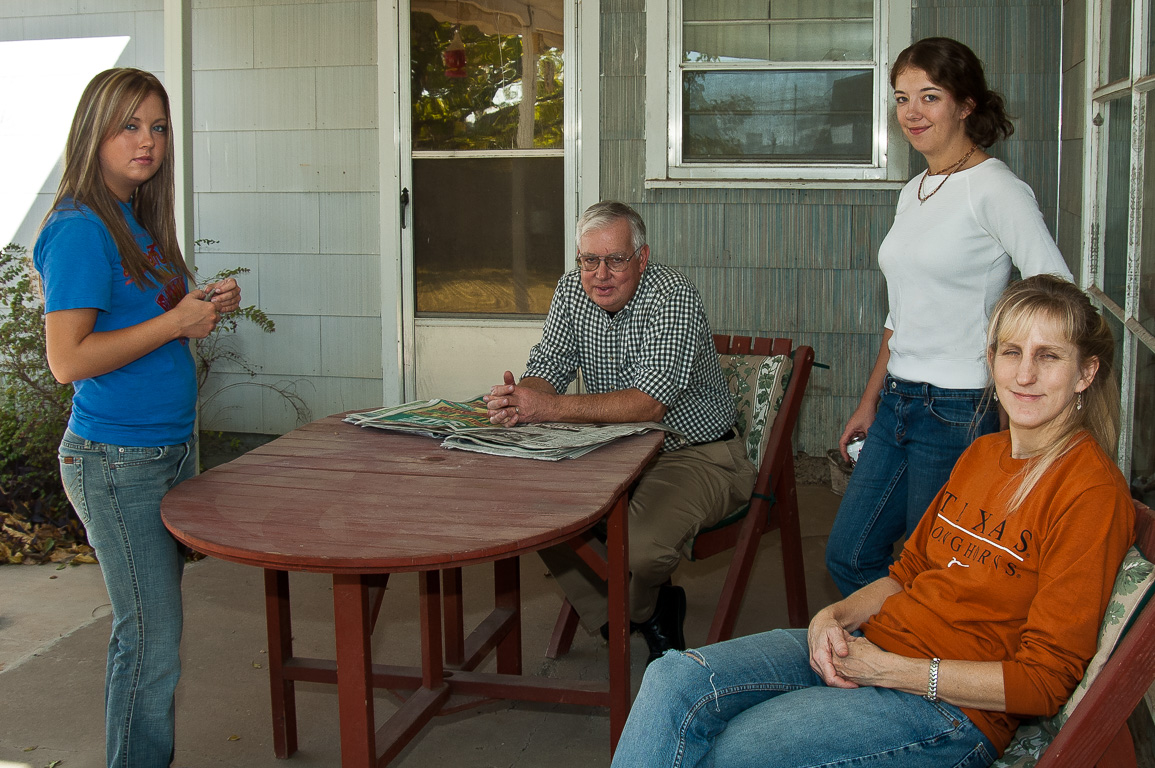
(54, 628)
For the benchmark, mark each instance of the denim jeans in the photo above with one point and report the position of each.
(116, 491)
(755, 702)
(917, 436)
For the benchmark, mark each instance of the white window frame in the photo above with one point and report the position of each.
(664, 120)
(1095, 150)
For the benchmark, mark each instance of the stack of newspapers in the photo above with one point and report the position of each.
(467, 426)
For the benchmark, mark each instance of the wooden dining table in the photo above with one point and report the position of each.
(362, 503)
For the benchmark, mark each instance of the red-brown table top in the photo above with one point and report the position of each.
(337, 498)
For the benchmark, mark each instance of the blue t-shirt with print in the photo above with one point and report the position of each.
(152, 400)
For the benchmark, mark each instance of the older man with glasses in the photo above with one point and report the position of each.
(639, 334)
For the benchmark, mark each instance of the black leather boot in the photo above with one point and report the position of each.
(663, 631)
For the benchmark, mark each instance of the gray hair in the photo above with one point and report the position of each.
(601, 215)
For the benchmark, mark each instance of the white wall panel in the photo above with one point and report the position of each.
(260, 223)
(24, 8)
(334, 395)
(11, 29)
(347, 97)
(459, 362)
(351, 346)
(52, 183)
(79, 25)
(315, 161)
(321, 285)
(348, 33)
(324, 34)
(259, 99)
(225, 161)
(349, 223)
(231, 403)
(26, 233)
(213, 259)
(112, 6)
(198, 4)
(286, 36)
(223, 38)
(293, 349)
(254, 406)
(147, 47)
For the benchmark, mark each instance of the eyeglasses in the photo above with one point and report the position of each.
(617, 262)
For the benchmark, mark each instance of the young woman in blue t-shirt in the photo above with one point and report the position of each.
(119, 316)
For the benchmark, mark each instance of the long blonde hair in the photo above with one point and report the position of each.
(107, 104)
(1047, 296)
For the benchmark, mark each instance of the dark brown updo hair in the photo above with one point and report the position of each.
(954, 67)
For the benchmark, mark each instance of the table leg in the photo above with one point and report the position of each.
(618, 548)
(429, 590)
(454, 617)
(507, 594)
(354, 671)
(280, 628)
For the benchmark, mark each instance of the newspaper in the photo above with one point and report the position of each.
(466, 426)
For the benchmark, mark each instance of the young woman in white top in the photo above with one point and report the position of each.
(958, 230)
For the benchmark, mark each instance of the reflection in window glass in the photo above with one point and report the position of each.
(1116, 188)
(778, 116)
(468, 88)
(1143, 439)
(1115, 54)
(777, 10)
(1146, 310)
(845, 40)
(491, 231)
(1149, 63)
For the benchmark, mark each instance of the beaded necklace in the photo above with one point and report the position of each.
(949, 170)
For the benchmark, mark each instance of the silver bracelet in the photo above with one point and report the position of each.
(932, 681)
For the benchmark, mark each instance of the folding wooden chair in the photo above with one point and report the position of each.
(1096, 733)
(773, 503)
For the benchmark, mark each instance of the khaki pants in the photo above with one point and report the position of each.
(679, 494)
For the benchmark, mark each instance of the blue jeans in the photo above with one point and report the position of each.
(116, 491)
(917, 436)
(756, 702)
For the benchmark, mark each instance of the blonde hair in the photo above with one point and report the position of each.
(1047, 296)
(107, 104)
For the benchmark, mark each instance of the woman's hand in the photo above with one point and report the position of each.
(866, 664)
(857, 426)
(194, 317)
(227, 295)
(828, 643)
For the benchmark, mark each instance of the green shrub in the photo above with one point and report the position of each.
(34, 407)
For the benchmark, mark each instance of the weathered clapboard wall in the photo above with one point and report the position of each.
(803, 263)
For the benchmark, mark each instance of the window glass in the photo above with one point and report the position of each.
(1143, 439)
(779, 40)
(1116, 191)
(468, 90)
(1146, 312)
(488, 176)
(491, 232)
(1149, 64)
(1115, 54)
(776, 88)
(778, 116)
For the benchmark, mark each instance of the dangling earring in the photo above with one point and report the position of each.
(996, 397)
(1079, 402)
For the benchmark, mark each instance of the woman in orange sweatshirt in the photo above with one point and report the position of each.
(991, 613)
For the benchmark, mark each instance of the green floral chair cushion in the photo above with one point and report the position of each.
(758, 384)
(1131, 592)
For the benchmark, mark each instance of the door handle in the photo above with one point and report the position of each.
(404, 204)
